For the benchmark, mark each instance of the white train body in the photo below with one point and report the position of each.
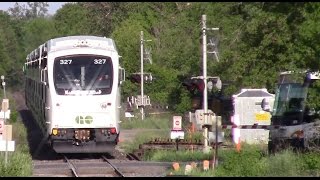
(73, 90)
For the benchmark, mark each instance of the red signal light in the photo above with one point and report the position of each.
(199, 83)
(195, 86)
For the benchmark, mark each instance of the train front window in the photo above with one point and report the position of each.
(83, 74)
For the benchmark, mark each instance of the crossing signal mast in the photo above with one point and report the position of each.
(205, 92)
(141, 78)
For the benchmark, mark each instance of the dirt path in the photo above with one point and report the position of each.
(19, 100)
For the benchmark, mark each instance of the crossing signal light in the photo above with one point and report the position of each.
(194, 86)
(214, 82)
(135, 78)
(148, 78)
(197, 84)
(190, 87)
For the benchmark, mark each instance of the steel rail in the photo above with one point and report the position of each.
(71, 166)
(115, 168)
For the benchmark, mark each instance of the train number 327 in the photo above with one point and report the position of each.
(99, 61)
(65, 61)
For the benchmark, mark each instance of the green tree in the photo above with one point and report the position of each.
(36, 9)
(309, 33)
(72, 19)
(257, 40)
(267, 44)
(30, 11)
(36, 32)
(9, 50)
(17, 11)
(103, 15)
(127, 38)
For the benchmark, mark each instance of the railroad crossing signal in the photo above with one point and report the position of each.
(136, 78)
(147, 77)
(214, 82)
(196, 84)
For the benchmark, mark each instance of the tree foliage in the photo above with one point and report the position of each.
(9, 49)
(72, 19)
(256, 40)
(30, 11)
(36, 32)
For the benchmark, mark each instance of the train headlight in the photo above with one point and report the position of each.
(54, 132)
(113, 130)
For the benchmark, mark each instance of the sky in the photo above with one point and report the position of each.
(53, 6)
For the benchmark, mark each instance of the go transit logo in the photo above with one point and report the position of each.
(82, 120)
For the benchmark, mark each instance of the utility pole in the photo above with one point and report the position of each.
(142, 74)
(205, 91)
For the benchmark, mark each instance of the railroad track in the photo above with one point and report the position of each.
(68, 167)
(98, 167)
(168, 144)
(71, 166)
(116, 170)
(132, 156)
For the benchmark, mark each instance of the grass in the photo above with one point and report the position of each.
(142, 137)
(19, 162)
(173, 155)
(153, 126)
(251, 161)
(151, 122)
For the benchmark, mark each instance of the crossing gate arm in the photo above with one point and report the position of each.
(254, 126)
